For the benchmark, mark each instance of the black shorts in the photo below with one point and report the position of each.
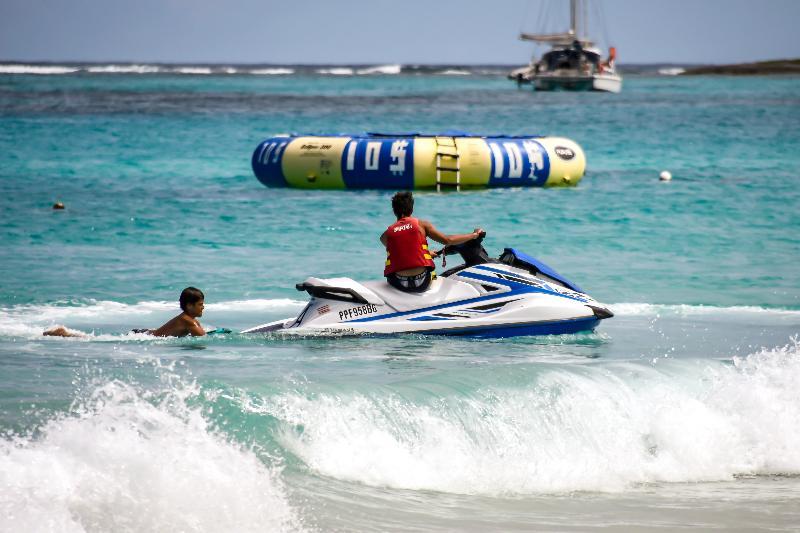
(418, 283)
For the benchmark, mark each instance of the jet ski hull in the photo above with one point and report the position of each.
(561, 327)
(486, 300)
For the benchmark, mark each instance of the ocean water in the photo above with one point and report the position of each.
(682, 411)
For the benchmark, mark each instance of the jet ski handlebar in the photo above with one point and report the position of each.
(471, 252)
(451, 249)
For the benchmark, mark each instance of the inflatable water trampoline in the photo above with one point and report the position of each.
(451, 160)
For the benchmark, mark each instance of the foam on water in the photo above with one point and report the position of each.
(128, 460)
(32, 320)
(272, 71)
(645, 309)
(124, 69)
(191, 70)
(455, 72)
(603, 427)
(337, 71)
(380, 69)
(37, 69)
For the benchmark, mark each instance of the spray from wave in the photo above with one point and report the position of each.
(126, 459)
(601, 427)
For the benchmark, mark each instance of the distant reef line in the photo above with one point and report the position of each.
(776, 66)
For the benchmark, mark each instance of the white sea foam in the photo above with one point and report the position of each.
(590, 427)
(191, 70)
(455, 72)
(37, 69)
(336, 71)
(645, 309)
(380, 69)
(124, 69)
(32, 320)
(272, 71)
(256, 305)
(671, 71)
(126, 461)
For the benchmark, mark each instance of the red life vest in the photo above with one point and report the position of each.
(406, 246)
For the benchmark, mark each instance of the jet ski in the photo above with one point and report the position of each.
(510, 296)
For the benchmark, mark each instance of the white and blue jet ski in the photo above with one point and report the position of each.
(506, 297)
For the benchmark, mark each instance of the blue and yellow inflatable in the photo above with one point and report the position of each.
(452, 160)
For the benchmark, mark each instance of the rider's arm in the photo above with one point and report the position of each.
(440, 237)
(384, 239)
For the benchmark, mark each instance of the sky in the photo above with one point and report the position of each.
(388, 31)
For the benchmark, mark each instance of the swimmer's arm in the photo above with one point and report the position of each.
(61, 331)
(195, 329)
(180, 326)
(175, 327)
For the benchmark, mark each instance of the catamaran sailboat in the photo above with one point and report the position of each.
(573, 62)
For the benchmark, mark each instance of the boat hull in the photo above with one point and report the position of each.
(603, 83)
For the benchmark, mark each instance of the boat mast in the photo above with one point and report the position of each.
(577, 29)
(577, 18)
(573, 17)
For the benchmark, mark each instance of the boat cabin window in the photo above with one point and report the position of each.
(569, 59)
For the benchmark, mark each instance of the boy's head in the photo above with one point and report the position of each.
(403, 204)
(189, 300)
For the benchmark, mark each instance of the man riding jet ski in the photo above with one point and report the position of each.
(509, 296)
(409, 262)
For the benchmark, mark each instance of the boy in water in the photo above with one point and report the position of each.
(192, 304)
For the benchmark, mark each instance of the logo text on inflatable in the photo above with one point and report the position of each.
(564, 153)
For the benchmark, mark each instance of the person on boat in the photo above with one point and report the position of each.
(409, 261)
(192, 303)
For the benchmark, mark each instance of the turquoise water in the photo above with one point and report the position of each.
(683, 410)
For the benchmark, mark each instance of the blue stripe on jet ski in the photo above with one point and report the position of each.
(560, 327)
(435, 307)
(516, 289)
(498, 271)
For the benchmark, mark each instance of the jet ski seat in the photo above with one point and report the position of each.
(441, 290)
(342, 289)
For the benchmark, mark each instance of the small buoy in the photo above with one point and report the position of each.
(665, 175)
(58, 205)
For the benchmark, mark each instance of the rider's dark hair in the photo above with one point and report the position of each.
(403, 204)
(189, 296)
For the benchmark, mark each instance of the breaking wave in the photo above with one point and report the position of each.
(271, 71)
(603, 427)
(125, 459)
(455, 72)
(380, 69)
(336, 71)
(37, 69)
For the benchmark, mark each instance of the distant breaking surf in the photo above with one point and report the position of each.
(194, 70)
